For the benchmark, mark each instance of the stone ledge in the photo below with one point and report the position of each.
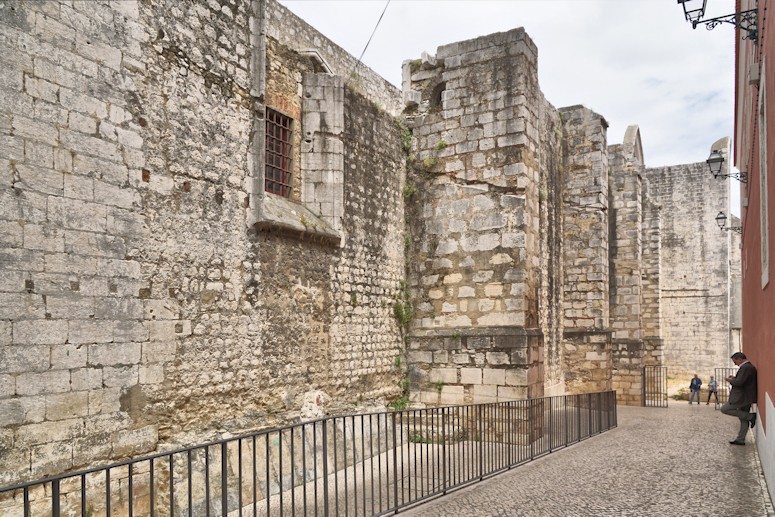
(474, 332)
(279, 215)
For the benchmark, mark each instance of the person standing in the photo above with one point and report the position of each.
(694, 387)
(741, 397)
(712, 389)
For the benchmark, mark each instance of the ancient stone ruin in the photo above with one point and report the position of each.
(212, 215)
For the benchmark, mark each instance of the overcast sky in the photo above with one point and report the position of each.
(632, 61)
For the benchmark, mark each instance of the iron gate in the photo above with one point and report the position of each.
(723, 386)
(655, 386)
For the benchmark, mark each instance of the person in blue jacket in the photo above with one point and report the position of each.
(694, 387)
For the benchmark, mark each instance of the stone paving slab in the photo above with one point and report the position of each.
(673, 461)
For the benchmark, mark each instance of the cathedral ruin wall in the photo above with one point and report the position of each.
(140, 304)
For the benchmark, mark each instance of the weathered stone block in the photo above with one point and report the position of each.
(51, 457)
(114, 354)
(484, 393)
(157, 352)
(461, 358)
(7, 385)
(90, 331)
(493, 376)
(67, 406)
(55, 381)
(120, 376)
(512, 393)
(419, 357)
(68, 356)
(86, 379)
(21, 359)
(470, 375)
(452, 395)
(39, 332)
(49, 432)
(516, 377)
(445, 375)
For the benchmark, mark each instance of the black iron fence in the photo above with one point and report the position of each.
(655, 386)
(368, 464)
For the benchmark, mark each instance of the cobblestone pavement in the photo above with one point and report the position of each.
(657, 462)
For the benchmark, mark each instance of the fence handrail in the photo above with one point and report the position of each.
(446, 429)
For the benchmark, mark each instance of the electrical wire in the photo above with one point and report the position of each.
(370, 37)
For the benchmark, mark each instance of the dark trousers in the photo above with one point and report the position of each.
(715, 394)
(743, 414)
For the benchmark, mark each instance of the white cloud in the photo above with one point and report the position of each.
(632, 61)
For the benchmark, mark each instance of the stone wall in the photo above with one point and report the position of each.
(139, 303)
(480, 258)
(474, 366)
(152, 293)
(695, 268)
(586, 340)
(294, 33)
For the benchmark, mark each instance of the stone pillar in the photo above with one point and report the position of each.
(475, 232)
(322, 157)
(585, 252)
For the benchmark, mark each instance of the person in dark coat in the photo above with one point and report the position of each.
(741, 397)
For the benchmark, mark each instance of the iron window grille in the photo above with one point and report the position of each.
(278, 155)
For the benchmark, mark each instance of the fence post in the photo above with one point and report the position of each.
(224, 487)
(325, 467)
(395, 464)
(444, 448)
(54, 498)
(481, 441)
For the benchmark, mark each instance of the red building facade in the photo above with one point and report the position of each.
(755, 156)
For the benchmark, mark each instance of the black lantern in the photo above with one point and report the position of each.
(715, 161)
(693, 9)
(746, 21)
(721, 221)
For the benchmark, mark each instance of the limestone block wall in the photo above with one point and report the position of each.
(694, 268)
(85, 327)
(625, 246)
(588, 360)
(585, 232)
(585, 220)
(475, 141)
(651, 264)
(473, 366)
(138, 304)
(479, 255)
(551, 164)
(294, 33)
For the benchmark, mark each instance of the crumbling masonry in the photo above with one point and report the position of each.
(463, 233)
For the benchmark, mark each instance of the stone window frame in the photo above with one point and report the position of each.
(279, 129)
(763, 178)
(318, 215)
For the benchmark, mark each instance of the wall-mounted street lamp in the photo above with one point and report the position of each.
(746, 21)
(715, 161)
(721, 221)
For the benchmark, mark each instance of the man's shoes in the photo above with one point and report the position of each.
(752, 422)
(735, 442)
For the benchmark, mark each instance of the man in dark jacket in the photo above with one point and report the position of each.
(741, 397)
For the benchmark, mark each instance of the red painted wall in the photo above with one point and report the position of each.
(758, 302)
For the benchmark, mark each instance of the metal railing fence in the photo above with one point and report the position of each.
(654, 386)
(367, 464)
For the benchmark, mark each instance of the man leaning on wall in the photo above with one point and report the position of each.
(741, 397)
